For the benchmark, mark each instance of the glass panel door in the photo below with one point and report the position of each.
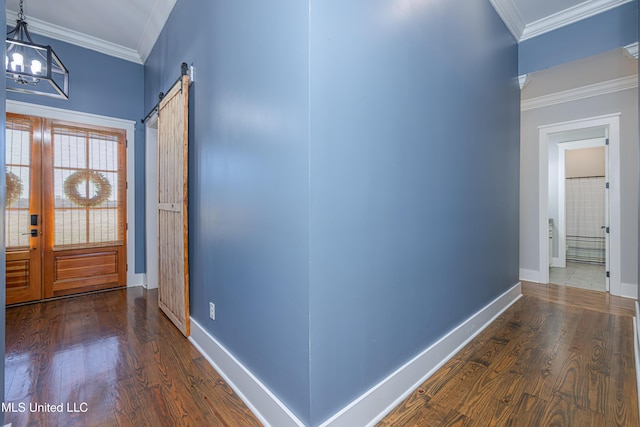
(23, 216)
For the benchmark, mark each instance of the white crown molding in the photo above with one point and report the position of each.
(57, 32)
(523, 80)
(569, 16)
(162, 9)
(588, 91)
(510, 16)
(632, 50)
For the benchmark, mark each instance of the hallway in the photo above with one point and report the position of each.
(559, 356)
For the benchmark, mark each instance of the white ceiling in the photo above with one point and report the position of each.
(123, 28)
(129, 28)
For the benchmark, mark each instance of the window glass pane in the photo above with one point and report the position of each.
(85, 185)
(70, 226)
(18, 176)
(69, 151)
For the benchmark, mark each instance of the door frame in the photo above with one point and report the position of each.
(133, 279)
(151, 200)
(612, 123)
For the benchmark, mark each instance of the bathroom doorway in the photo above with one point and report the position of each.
(578, 221)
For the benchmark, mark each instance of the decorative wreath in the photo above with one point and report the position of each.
(14, 188)
(100, 183)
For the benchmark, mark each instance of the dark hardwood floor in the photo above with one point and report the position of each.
(559, 356)
(114, 356)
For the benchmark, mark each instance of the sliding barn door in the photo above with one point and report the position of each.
(173, 274)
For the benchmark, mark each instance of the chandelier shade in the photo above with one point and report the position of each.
(32, 68)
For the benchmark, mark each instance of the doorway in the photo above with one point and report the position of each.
(66, 208)
(609, 124)
(579, 209)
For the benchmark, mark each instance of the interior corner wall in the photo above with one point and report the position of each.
(248, 179)
(625, 102)
(414, 182)
(600, 33)
(345, 159)
(108, 86)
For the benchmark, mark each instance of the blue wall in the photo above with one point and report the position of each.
(414, 182)
(346, 160)
(104, 85)
(248, 190)
(608, 30)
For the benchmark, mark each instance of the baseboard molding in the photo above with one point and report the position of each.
(374, 404)
(530, 275)
(628, 290)
(262, 402)
(137, 279)
(378, 401)
(636, 349)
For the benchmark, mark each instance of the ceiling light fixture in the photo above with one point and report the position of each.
(32, 68)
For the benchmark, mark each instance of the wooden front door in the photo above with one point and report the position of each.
(76, 209)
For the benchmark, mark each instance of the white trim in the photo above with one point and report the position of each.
(556, 262)
(612, 122)
(153, 27)
(37, 26)
(628, 290)
(569, 16)
(511, 17)
(371, 406)
(632, 50)
(17, 107)
(151, 200)
(523, 80)
(636, 349)
(597, 89)
(530, 276)
(378, 401)
(262, 402)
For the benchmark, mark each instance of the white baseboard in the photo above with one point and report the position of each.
(136, 279)
(262, 402)
(636, 349)
(530, 276)
(627, 290)
(378, 401)
(374, 404)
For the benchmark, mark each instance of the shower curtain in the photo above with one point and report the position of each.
(585, 204)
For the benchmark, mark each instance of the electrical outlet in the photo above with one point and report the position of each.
(212, 311)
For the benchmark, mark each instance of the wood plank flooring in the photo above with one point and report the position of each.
(558, 357)
(116, 357)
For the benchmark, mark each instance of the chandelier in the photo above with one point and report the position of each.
(32, 68)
